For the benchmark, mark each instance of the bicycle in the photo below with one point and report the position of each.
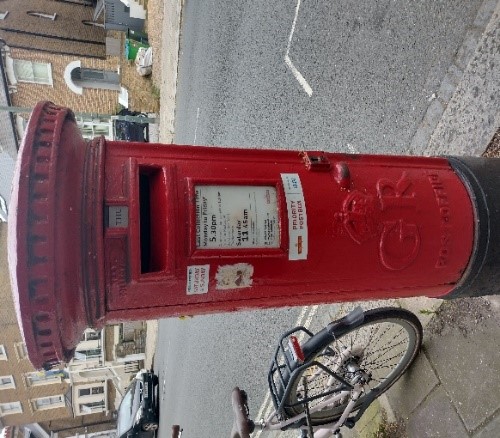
(328, 380)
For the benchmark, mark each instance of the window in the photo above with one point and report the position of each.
(34, 72)
(38, 378)
(89, 408)
(43, 403)
(11, 408)
(84, 392)
(92, 128)
(3, 353)
(21, 351)
(7, 382)
(91, 335)
(84, 355)
(42, 15)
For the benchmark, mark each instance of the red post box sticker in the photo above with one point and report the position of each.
(297, 216)
(236, 217)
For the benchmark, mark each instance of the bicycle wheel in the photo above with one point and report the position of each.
(384, 346)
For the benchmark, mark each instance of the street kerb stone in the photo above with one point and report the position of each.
(151, 339)
(473, 113)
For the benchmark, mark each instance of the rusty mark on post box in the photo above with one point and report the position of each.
(235, 276)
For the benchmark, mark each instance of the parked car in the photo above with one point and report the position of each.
(138, 414)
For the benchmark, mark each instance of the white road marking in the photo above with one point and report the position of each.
(312, 312)
(302, 81)
(304, 319)
(163, 389)
(307, 88)
(196, 125)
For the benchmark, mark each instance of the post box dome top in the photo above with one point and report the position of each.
(45, 236)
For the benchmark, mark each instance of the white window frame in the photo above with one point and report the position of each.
(21, 350)
(93, 23)
(11, 408)
(42, 15)
(34, 81)
(91, 403)
(85, 408)
(91, 335)
(7, 382)
(46, 403)
(3, 353)
(100, 391)
(36, 378)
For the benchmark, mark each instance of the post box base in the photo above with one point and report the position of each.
(481, 176)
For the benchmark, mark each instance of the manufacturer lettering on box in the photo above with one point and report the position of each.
(297, 216)
(198, 277)
(117, 216)
(236, 217)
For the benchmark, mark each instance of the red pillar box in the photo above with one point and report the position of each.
(109, 231)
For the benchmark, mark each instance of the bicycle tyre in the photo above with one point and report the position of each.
(406, 324)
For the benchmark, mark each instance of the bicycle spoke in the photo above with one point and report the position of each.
(382, 347)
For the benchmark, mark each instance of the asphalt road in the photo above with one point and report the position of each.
(351, 76)
(200, 360)
(341, 75)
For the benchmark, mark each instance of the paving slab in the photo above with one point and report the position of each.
(413, 387)
(436, 417)
(466, 360)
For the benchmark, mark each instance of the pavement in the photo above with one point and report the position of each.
(453, 388)
(172, 15)
(151, 338)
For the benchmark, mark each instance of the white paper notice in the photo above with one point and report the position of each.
(236, 217)
(198, 277)
(297, 216)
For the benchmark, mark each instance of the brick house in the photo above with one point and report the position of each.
(53, 50)
(59, 50)
(79, 398)
(22, 398)
(63, 51)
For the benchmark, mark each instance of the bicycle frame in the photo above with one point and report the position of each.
(327, 377)
(271, 422)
